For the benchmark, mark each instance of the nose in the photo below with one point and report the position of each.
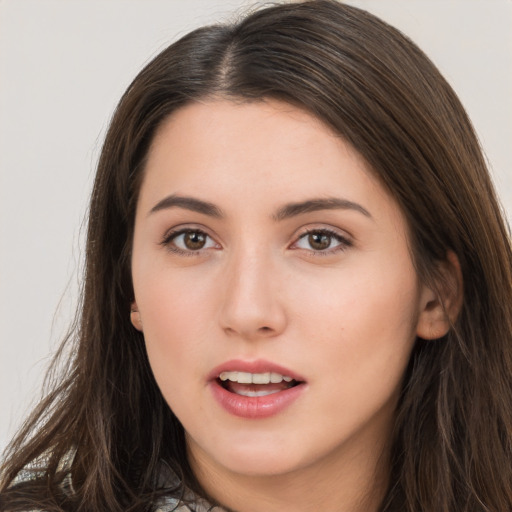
(253, 305)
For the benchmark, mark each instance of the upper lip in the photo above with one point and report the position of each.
(257, 366)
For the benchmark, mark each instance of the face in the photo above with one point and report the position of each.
(274, 287)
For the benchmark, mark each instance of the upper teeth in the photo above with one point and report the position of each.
(254, 378)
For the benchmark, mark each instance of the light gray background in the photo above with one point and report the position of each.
(63, 66)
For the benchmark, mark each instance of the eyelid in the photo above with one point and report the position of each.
(176, 231)
(344, 239)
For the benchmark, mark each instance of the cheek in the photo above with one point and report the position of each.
(175, 308)
(367, 295)
(362, 323)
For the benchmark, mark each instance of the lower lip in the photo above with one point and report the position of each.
(255, 407)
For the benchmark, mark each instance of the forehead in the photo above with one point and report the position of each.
(271, 135)
(219, 123)
(255, 154)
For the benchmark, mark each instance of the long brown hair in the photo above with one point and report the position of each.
(104, 430)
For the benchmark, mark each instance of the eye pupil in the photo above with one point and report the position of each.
(194, 240)
(319, 241)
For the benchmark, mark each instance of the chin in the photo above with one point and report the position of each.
(259, 467)
(259, 459)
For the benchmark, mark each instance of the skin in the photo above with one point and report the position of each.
(344, 318)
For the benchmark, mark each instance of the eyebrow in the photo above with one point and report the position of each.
(285, 212)
(313, 205)
(188, 203)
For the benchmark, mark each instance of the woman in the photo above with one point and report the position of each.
(297, 291)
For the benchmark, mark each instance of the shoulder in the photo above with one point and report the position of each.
(175, 505)
(188, 501)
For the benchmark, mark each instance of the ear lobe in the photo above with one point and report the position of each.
(441, 306)
(135, 316)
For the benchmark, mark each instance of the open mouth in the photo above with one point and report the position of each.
(255, 384)
(255, 389)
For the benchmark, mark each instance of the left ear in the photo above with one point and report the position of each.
(135, 316)
(441, 305)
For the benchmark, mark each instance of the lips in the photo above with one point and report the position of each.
(256, 389)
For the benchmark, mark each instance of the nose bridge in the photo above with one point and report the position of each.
(252, 306)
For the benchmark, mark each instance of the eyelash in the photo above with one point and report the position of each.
(169, 238)
(343, 243)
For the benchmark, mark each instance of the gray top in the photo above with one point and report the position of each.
(164, 504)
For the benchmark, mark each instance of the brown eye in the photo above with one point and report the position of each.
(322, 241)
(194, 240)
(319, 241)
(189, 241)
